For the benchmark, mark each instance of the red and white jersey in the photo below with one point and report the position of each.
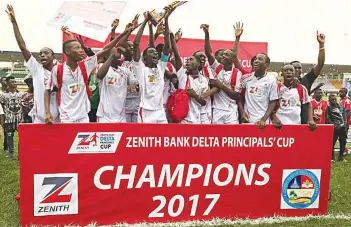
(41, 77)
(259, 92)
(169, 87)
(346, 103)
(319, 110)
(221, 100)
(289, 111)
(75, 103)
(113, 92)
(211, 75)
(151, 84)
(200, 86)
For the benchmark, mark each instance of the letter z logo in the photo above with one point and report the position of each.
(55, 194)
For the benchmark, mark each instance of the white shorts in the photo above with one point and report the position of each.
(118, 119)
(152, 116)
(224, 117)
(82, 120)
(205, 118)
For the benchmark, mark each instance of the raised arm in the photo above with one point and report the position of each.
(159, 30)
(86, 49)
(238, 32)
(321, 56)
(136, 43)
(114, 25)
(151, 35)
(178, 60)
(167, 42)
(106, 50)
(21, 44)
(111, 61)
(208, 48)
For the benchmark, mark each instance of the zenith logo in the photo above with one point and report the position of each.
(60, 184)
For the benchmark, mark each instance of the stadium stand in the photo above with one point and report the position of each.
(19, 71)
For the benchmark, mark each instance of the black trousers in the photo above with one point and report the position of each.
(341, 135)
(92, 115)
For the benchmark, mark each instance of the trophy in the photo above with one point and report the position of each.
(157, 17)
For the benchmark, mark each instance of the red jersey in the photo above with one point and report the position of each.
(318, 110)
(346, 103)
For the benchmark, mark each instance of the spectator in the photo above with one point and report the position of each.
(11, 101)
(27, 101)
(337, 117)
(4, 89)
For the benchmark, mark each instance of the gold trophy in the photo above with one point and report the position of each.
(157, 17)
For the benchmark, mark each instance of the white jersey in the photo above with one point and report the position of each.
(113, 92)
(200, 86)
(208, 108)
(259, 92)
(221, 100)
(169, 87)
(75, 103)
(133, 98)
(41, 77)
(290, 104)
(151, 84)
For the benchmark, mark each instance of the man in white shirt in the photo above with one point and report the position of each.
(133, 94)
(151, 75)
(113, 90)
(73, 99)
(227, 97)
(290, 101)
(261, 93)
(195, 84)
(40, 74)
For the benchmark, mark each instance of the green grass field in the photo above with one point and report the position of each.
(340, 202)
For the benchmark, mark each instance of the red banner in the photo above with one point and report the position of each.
(113, 173)
(188, 46)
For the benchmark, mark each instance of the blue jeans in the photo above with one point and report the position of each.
(10, 129)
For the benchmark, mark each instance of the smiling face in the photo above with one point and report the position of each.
(46, 57)
(192, 64)
(128, 46)
(260, 63)
(219, 55)
(288, 72)
(201, 57)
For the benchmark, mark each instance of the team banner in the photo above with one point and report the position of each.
(188, 46)
(131, 173)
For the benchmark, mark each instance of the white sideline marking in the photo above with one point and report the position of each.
(217, 221)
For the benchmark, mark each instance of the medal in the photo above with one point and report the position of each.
(92, 87)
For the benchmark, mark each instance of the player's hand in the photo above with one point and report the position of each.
(114, 24)
(276, 122)
(320, 37)
(239, 29)
(132, 88)
(178, 35)
(169, 10)
(245, 117)
(216, 83)
(159, 29)
(135, 20)
(312, 125)
(48, 119)
(261, 124)
(205, 27)
(147, 15)
(11, 13)
(66, 31)
(80, 40)
(191, 93)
